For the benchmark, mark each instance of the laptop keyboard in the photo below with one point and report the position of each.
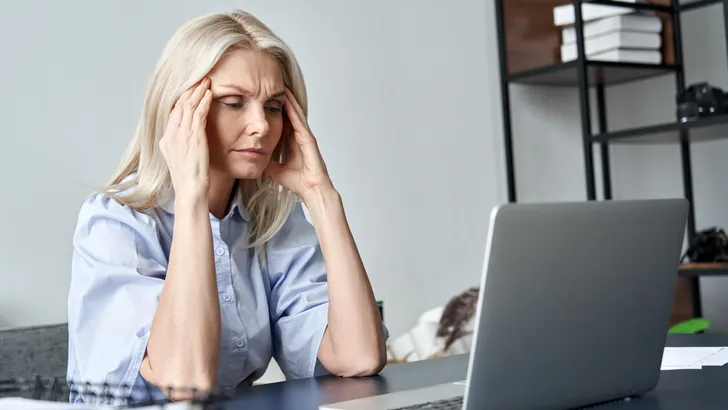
(455, 403)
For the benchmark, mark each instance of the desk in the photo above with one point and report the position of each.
(677, 390)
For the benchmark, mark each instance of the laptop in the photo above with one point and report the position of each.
(574, 308)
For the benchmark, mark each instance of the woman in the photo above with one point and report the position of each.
(195, 265)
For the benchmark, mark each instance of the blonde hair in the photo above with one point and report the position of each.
(142, 180)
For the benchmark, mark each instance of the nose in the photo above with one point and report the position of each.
(257, 123)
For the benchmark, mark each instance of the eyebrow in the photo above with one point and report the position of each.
(245, 92)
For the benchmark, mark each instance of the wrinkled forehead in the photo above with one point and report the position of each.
(255, 72)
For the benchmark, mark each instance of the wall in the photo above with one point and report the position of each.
(406, 115)
(402, 102)
(547, 119)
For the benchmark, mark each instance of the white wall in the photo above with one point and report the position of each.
(548, 118)
(403, 100)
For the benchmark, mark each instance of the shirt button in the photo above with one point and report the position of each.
(220, 251)
(239, 343)
(226, 297)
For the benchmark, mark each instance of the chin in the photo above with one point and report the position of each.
(247, 171)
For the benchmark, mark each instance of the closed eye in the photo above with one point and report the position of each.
(232, 101)
(273, 107)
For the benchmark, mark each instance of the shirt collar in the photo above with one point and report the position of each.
(237, 206)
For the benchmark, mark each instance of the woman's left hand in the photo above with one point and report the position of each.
(304, 171)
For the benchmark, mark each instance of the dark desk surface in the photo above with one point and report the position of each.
(677, 390)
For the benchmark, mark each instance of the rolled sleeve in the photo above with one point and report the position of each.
(299, 297)
(118, 269)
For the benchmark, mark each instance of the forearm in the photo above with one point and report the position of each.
(184, 344)
(354, 342)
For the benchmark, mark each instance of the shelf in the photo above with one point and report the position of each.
(599, 73)
(703, 269)
(705, 129)
(684, 5)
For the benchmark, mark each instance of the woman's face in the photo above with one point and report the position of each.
(245, 121)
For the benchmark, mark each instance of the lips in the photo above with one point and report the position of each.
(251, 151)
(253, 154)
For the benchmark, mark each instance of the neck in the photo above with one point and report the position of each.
(221, 188)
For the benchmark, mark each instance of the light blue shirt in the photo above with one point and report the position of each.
(119, 265)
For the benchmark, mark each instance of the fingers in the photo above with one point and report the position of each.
(175, 117)
(190, 100)
(199, 120)
(179, 105)
(291, 99)
(295, 116)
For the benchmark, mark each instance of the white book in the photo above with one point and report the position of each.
(632, 22)
(622, 55)
(618, 39)
(564, 15)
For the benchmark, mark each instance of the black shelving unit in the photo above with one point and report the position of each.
(584, 75)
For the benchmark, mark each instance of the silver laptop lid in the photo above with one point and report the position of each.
(575, 302)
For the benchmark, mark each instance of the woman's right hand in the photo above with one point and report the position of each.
(184, 144)
(187, 355)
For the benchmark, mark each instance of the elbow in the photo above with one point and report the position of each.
(370, 367)
(179, 384)
(353, 360)
(362, 366)
(372, 363)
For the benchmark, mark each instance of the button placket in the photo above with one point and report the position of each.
(224, 262)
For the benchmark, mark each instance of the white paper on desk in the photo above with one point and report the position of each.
(718, 358)
(14, 403)
(682, 367)
(678, 358)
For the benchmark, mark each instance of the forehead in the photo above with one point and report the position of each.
(252, 70)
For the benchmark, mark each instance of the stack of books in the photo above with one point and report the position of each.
(618, 34)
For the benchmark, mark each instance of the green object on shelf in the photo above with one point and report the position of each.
(692, 326)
